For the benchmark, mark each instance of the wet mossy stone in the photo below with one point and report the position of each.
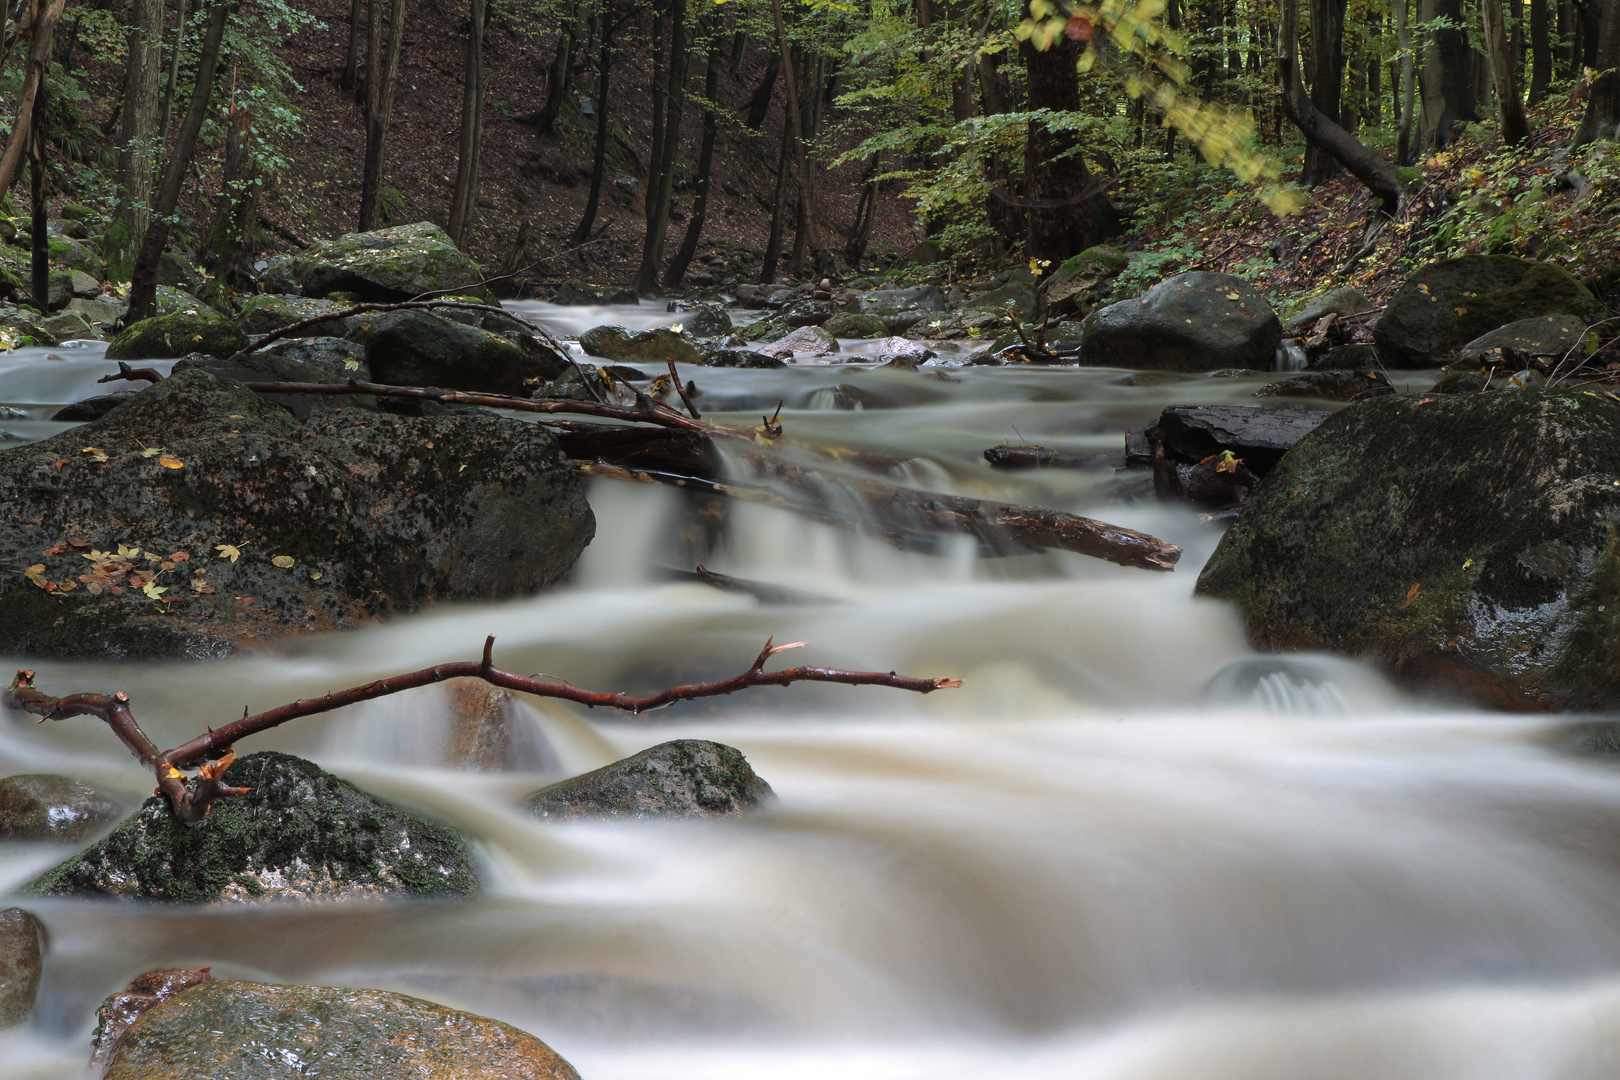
(739, 358)
(1190, 322)
(1547, 336)
(386, 265)
(707, 322)
(20, 965)
(271, 311)
(338, 357)
(655, 346)
(40, 806)
(280, 367)
(1340, 302)
(1330, 386)
(1447, 304)
(165, 337)
(378, 514)
(765, 330)
(1014, 297)
(299, 834)
(263, 1031)
(849, 325)
(685, 778)
(418, 348)
(94, 408)
(171, 300)
(1470, 541)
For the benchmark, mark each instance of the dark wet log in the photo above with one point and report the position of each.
(1033, 457)
(764, 592)
(639, 447)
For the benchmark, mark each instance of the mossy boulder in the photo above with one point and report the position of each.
(164, 337)
(71, 326)
(850, 325)
(1550, 336)
(685, 778)
(264, 1031)
(386, 265)
(1190, 322)
(1447, 304)
(655, 346)
(765, 330)
(170, 300)
(419, 348)
(40, 806)
(1340, 302)
(739, 358)
(1014, 297)
(1069, 288)
(343, 519)
(1470, 541)
(299, 834)
(338, 357)
(271, 311)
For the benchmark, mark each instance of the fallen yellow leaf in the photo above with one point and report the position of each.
(283, 561)
(171, 463)
(228, 551)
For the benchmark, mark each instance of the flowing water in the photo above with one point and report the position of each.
(1128, 847)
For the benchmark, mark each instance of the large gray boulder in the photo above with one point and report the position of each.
(1191, 322)
(386, 265)
(1447, 304)
(419, 348)
(299, 834)
(1470, 541)
(217, 520)
(686, 778)
(656, 346)
(1547, 337)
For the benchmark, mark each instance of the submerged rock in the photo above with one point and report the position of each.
(386, 265)
(1330, 386)
(1467, 541)
(46, 807)
(655, 346)
(1190, 322)
(419, 348)
(165, 337)
(20, 965)
(299, 834)
(686, 778)
(247, 524)
(263, 1031)
(271, 311)
(810, 340)
(739, 358)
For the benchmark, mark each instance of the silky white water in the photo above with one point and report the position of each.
(1128, 847)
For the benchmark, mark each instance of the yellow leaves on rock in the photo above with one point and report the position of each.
(283, 561)
(1229, 463)
(171, 463)
(228, 551)
(36, 574)
(153, 590)
(1411, 595)
(96, 453)
(152, 451)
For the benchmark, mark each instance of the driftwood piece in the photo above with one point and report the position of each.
(764, 592)
(1036, 457)
(191, 799)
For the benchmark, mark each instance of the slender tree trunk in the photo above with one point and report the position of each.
(604, 75)
(1327, 85)
(1448, 90)
(865, 215)
(351, 57)
(801, 156)
(1515, 129)
(143, 286)
(236, 214)
(1566, 38)
(172, 86)
(660, 185)
(759, 103)
(560, 77)
(1602, 119)
(379, 111)
(1408, 84)
(660, 80)
(1540, 51)
(39, 218)
(138, 138)
(464, 198)
(1319, 130)
(773, 245)
(700, 192)
(46, 13)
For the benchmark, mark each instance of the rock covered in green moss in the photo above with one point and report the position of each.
(299, 834)
(655, 346)
(271, 311)
(1552, 336)
(739, 358)
(40, 806)
(164, 337)
(343, 519)
(685, 778)
(847, 324)
(1190, 322)
(386, 265)
(1447, 304)
(420, 348)
(1069, 287)
(264, 1031)
(1470, 541)
(20, 965)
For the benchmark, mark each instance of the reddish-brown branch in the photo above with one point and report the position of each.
(192, 803)
(127, 373)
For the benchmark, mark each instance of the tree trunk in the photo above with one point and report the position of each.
(660, 82)
(1408, 84)
(801, 154)
(1448, 91)
(172, 86)
(464, 198)
(560, 78)
(230, 239)
(1566, 38)
(865, 216)
(1515, 129)
(39, 218)
(1319, 130)
(1327, 82)
(351, 57)
(604, 75)
(773, 244)
(1540, 51)
(1602, 119)
(1068, 211)
(700, 192)
(379, 111)
(143, 285)
(759, 103)
(137, 138)
(45, 16)
(661, 184)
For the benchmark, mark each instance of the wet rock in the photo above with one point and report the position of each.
(957, 327)
(1340, 302)
(270, 311)
(1547, 336)
(164, 337)
(77, 256)
(20, 964)
(171, 300)
(804, 313)
(626, 296)
(1446, 305)
(1467, 541)
(1461, 382)
(849, 325)
(371, 514)
(56, 808)
(338, 357)
(299, 834)
(102, 313)
(118, 1013)
(273, 367)
(707, 322)
(1070, 287)
(1217, 454)
(176, 272)
(655, 346)
(1190, 322)
(71, 326)
(686, 778)
(485, 735)
(806, 340)
(418, 348)
(258, 1031)
(84, 286)
(1015, 297)
(765, 330)
(576, 294)
(1330, 386)
(93, 408)
(58, 290)
(889, 301)
(739, 358)
(1347, 358)
(387, 265)
(902, 349)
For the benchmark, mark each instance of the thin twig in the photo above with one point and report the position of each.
(127, 373)
(680, 388)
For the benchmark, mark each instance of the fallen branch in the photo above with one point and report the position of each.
(1030, 457)
(192, 800)
(127, 373)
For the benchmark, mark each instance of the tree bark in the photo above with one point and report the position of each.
(759, 104)
(1408, 84)
(1540, 51)
(604, 75)
(379, 111)
(230, 239)
(1515, 129)
(560, 77)
(143, 285)
(464, 197)
(46, 13)
(700, 192)
(1602, 119)
(1373, 171)
(1327, 86)
(172, 86)
(1448, 90)
(801, 154)
(137, 138)
(660, 82)
(773, 243)
(351, 56)
(39, 218)
(661, 182)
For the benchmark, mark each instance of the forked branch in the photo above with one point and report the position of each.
(213, 752)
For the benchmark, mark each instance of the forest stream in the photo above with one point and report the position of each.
(1128, 847)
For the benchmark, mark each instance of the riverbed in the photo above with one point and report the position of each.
(1128, 847)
